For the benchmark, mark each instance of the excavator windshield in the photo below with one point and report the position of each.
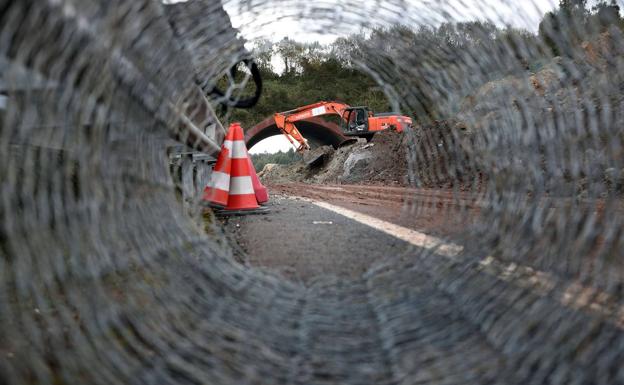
(361, 116)
(357, 119)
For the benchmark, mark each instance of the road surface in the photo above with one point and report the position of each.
(363, 227)
(466, 311)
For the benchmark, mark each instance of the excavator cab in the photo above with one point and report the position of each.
(356, 120)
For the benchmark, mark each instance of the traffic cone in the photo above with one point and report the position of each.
(242, 195)
(218, 188)
(262, 195)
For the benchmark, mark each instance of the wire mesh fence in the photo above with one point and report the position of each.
(105, 278)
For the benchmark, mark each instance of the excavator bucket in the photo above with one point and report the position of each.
(318, 156)
(347, 142)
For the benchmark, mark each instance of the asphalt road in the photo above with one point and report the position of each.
(305, 242)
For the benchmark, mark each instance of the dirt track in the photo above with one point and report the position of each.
(433, 211)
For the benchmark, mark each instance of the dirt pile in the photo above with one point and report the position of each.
(442, 155)
(439, 155)
(500, 131)
(381, 161)
(280, 173)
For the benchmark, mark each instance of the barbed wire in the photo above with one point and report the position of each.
(106, 279)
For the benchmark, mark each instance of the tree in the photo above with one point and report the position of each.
(263, 54)
(563, 28)
(607, 14)
(417, 64)
(570, 6)
(280, 157)
(344, 49)
(291, 53)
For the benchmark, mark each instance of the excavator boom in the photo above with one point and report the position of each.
(359, 121)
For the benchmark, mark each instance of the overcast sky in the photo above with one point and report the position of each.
(332, 18)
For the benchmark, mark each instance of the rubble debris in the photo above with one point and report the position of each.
(383, 160)
(318, 156)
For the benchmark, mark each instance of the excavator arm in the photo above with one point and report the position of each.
(291, 133)
(285, 121)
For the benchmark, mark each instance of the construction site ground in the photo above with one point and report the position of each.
(305, 242)
(383, 160)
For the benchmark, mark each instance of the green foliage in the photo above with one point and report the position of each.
(312, 72)
(288, 157)
(445, 63)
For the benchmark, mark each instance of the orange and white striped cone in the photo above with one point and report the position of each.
(262, 194)
(218, 189)
(242, 195)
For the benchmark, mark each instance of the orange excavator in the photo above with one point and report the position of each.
(355, 121)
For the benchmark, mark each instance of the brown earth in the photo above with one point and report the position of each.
(439, 212)
(441, 158)
(381, 161)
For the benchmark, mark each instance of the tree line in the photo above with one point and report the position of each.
(281, 157)
(444, 63)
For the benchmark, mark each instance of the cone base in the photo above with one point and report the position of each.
(242, 202)
(211, 205)
(228, 213)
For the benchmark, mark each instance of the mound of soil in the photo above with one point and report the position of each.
(442, 155)
(381, 161)
(389, 163)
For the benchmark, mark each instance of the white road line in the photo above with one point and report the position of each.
(413, 237)
(574, 295)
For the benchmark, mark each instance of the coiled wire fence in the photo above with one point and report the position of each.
(106, 279)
